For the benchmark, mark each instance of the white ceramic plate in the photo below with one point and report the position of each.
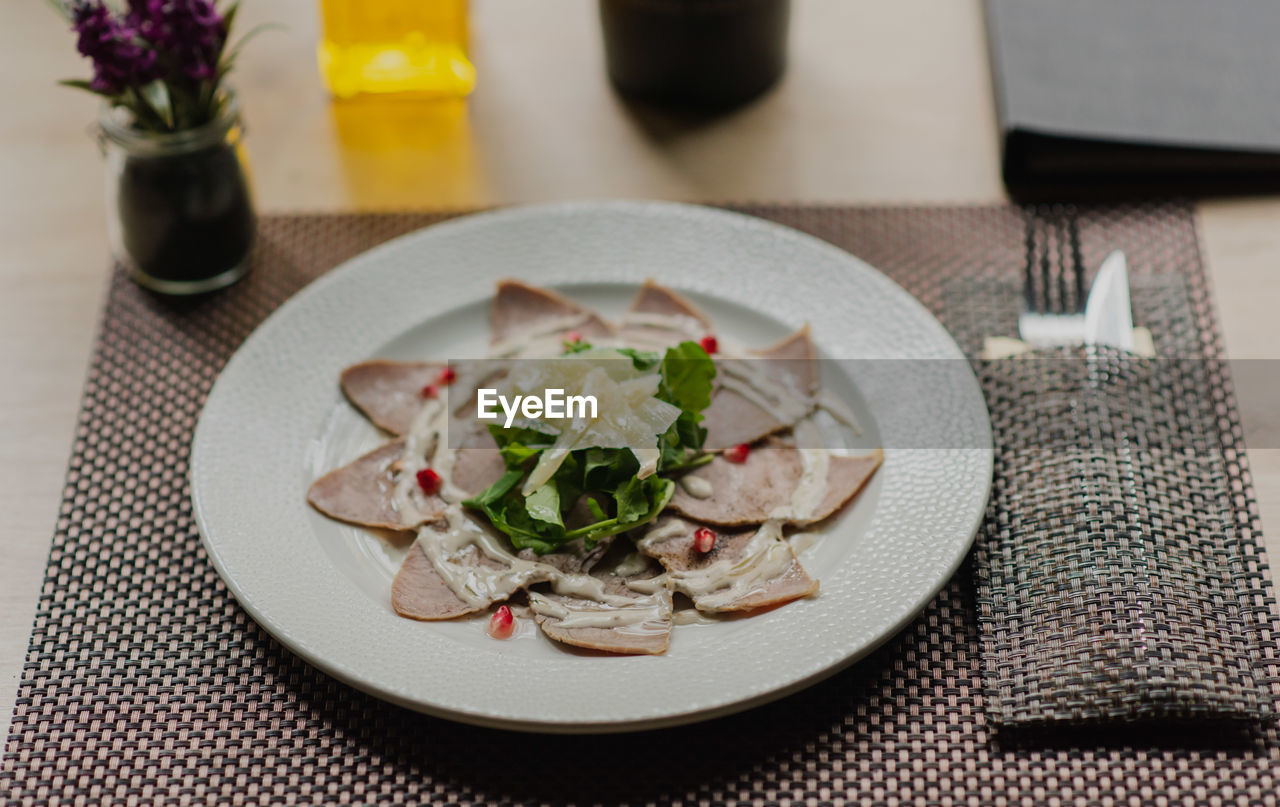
(275, 420)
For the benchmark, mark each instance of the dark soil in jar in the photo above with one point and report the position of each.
(187, 216)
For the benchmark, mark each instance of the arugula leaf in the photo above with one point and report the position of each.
(575, 347)
(687, 372)
(642, 360)
(544, 505)
(528, 437)
(494, 493)
(515, 454)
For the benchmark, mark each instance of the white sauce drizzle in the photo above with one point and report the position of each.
(696, 486)
(642, 615)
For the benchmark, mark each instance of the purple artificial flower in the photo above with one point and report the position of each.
(190, 33)
(120, 60)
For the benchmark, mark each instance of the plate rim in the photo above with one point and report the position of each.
(551, 724)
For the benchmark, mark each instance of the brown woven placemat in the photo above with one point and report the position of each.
(146, 683)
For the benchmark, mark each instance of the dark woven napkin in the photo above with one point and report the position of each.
(1108, 576)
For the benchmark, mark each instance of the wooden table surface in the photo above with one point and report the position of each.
(882, 102)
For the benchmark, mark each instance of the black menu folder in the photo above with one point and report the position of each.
(1111, 98)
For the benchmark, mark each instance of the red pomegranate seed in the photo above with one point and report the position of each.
(429, 481)
(709, 344)
(447, 376)
(738, 453)
(502, 624)
(704, 540)
(430, 391)
(572, 337)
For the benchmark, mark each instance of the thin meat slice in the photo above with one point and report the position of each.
(659, 317)
(363, 493)
(751, 492)
(389, 393)
(519, 309)
(733, 419)
(655, 299)
(648, 612)
(419, 592)
(788, 370)
(744, 570)
(794, 359)
(477, 464)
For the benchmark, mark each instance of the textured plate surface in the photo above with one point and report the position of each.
(275, 418)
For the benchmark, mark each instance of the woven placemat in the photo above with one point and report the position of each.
(146, 683)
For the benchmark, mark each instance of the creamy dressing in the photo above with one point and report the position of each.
(812, 487)
(643, 615)
(632, 565)
(696, 486)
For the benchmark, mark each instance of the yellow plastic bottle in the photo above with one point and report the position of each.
(395, 46)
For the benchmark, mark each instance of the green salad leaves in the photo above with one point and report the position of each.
(597, 492)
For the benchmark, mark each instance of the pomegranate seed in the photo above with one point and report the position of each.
(430, 391)
(738, 453)
(573, 336)
(704, 540)
(429, 481)
(709, 344)
(447, 376)
(502, 624)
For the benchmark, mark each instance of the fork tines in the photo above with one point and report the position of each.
(1054, 282)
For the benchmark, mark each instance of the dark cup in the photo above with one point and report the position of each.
(699, 54)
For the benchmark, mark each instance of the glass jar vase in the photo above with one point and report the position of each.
(179, 205)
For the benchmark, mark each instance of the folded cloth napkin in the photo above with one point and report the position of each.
(1122, 97)
(1107, 583)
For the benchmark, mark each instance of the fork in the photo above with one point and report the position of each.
(1053, 301)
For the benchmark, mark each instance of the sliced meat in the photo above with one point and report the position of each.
(732, 419)
(477, 463)
(648, 614)
(659, 318)
(655, 299)
(789, 368)
(749, 492)
(519, 308)
(795, 358)
(363, 492)
(389, 393)
(419, 592)
(765, 570)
